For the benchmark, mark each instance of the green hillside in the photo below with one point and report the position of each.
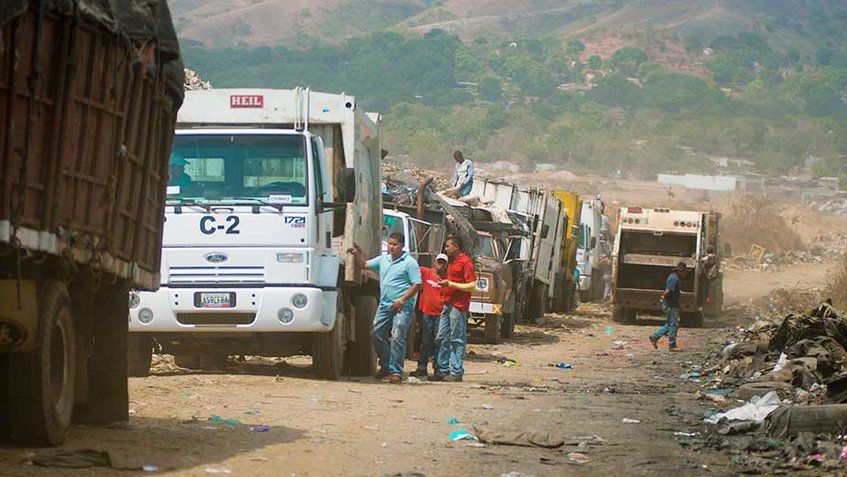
(646, 86)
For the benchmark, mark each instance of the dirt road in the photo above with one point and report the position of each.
(362, 427)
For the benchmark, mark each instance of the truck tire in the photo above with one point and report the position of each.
(630, 316)
(328, 351)
(693, 319)
(507, 327)
(537, 306)
(492, 329)
(187, 360)
(618, 314)
(43, 382)
(139, 351)
(361, 356)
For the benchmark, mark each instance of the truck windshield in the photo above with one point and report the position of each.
(485, 248)
(229, 167)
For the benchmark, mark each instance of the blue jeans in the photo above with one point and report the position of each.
(671, 325)
(429, 325)
(394, 323)
(466, 189)
(450, 341)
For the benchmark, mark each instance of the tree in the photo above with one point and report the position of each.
(627, 60)
(595, 62)
(490, 89)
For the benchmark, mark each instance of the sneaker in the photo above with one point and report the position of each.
(395, 379)
(419, 373)
(654, 341)
(382, 373)
(436, 377)
(674, 349)
(453, 378)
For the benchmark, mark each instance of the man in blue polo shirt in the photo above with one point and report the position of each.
(670, 305)
(399, 282)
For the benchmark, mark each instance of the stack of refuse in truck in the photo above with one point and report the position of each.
(193, 81)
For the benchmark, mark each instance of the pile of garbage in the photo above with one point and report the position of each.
(823, 249)
(193, 81)
(836, 205)
(780, 388)
(401, 182)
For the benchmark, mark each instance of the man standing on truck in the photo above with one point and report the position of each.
(432, 304)
(399, 282)
(670, 305)
(463, 176)
(453, 323)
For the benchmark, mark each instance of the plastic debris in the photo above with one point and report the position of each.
(690, 375)
(610, 330)
(578, 458)
(261, 428)
(508, 362)
(225, 422)
(253, 412)
(218, 469)
(686, 434)
(487, 407)
(563, 365)
(627, 420)
(461, 435)
(150, 468)
(756, 410)
(843, 455)
(452, 420)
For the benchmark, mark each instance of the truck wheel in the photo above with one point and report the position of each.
(361, 356)
(139, 351)
(492, 329)
(630, 316)
(328, 351)
(43, 382)
(507, 327)
(692, 319)
(618, 314)
(537, 304)
(187, 360)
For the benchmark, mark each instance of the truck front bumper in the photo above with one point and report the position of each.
(260, 309)
(478, 308)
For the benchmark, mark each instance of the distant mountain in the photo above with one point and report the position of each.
(797, 24)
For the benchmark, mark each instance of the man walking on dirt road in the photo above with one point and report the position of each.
(670, 305)
(431, 302)
(399, 281)
(453, 324)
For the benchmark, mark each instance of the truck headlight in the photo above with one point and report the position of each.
(299, 301)
(296, 257)
(285, 315)
(482, 284)
(145, 316)
(134, 300)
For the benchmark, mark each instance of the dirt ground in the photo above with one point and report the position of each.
(363, 427)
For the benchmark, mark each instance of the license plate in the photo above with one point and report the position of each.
(215, 300)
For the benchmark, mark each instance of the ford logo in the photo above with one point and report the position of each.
(216, 258)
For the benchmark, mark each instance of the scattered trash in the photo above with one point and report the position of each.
(253, 412)
(843, 455)
(261, 428)
(791, 421)
(547, 461)
(690, 375)
(627, 420)
(686, 434)
(578, 458)
(515, 473)
(225, 422)
(610, 330)
(756, 410)
(563, 365)
(77, 459)
(452, 420)
(530, 438)
(487, 407)
(150, 468)
(462, 434)
(413, 380)
(508, 362)
(619, 345)
(370, 428)
(218, 469)
(731, 428)
(474, 444)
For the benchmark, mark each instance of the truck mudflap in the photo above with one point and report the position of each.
(207, 309)
(647, 300)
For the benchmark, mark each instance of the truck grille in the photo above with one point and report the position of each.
(216, 275)
(216, 319)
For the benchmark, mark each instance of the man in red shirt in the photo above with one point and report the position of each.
(431, 303)
(453, 323)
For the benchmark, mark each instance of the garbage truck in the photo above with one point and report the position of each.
(268, 190)
(88, 101)
(648, 245)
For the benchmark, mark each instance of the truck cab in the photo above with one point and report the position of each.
(589, 251)
(397, 221)
(259, 206)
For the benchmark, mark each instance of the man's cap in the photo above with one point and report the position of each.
(681, 266)
(177, 160)
(442, 256)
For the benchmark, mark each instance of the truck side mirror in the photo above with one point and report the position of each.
(545, 231)
(347, 184)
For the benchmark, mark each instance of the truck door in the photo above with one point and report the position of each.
(323, 224)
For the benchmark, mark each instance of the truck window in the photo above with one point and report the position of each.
(485, 248)
(318, 154)
(221, 167)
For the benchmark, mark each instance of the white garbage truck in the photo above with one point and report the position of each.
(267, 191)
